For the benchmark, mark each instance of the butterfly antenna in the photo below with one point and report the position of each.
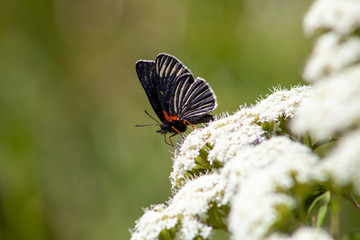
(140, 125)
(152, 117)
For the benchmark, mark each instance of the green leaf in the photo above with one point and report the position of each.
(167, 234)
(352, 236)
(318, 210)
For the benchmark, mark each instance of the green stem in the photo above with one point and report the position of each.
(309, 139)
(322, 142)
(334, 217)
(353, 201)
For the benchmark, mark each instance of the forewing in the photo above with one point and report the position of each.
(146, 71)
(198, 101)
(168, 70)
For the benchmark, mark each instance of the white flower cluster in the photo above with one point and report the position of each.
(265, 174)
(254, 167)
(302, 234)
(254, 184)
(281, 104)
(228, 135)
(343, 163)
(331, 54)
(334, 106)
(334, 69)
(184, 213)
(341, 17)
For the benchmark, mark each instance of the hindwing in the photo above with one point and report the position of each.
(196, 101)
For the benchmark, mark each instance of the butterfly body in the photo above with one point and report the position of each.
(170, 126)
(177, 98)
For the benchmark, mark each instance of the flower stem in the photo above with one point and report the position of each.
(353, 201)
(322, 142)
(334, 219)
(309, 139)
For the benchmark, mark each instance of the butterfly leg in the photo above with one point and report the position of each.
(170, 144)
(177, 132)
(187, 122)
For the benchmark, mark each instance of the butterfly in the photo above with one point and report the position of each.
(177, 98)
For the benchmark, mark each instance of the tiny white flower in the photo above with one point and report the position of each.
(333, 107)
(331, 54)
(341, 17)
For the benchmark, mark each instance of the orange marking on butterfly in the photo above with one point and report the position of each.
(167, 116)
(170, 118)
(174, 118)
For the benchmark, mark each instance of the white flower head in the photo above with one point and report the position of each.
(333, 107)
(196, 195)
(331, 54)
(222, 139)
(341, 17)
(254, 179)
(303, 233)
(154, 220)
(219, 141)
(282, 103)
(190, 228)
(185, 211)
(343, 162)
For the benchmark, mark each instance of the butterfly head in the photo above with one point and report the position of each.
(174, 126)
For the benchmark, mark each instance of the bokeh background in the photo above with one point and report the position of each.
(72, 164)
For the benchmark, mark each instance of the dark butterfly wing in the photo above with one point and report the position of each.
(168, 69)
(204, 119)
(178, 91)
(146, 71)
(196, 102)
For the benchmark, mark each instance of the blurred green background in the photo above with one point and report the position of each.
(72, 164)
